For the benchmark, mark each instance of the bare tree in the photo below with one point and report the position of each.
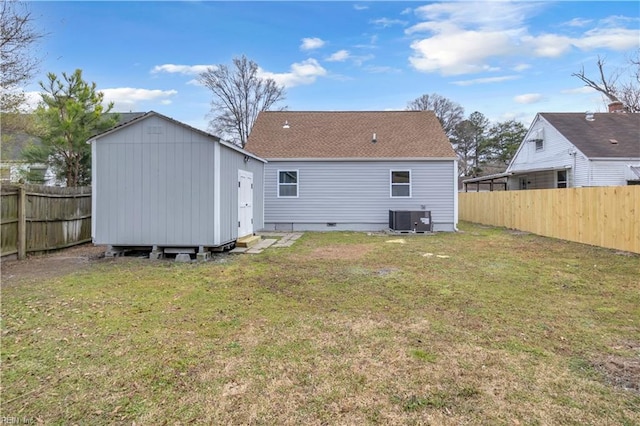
(17, 62)
(239, 94)
(628, 93)
(448, 112)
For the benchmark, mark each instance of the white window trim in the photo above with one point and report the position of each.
(297, 184)
(410, 184)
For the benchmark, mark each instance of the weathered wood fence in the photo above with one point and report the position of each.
(607, 216)
(40, 218)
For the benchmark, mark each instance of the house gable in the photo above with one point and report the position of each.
(594, 149)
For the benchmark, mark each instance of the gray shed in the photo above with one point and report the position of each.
(163, 185)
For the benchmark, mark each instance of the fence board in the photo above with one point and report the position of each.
(53, 218)
(602, 216)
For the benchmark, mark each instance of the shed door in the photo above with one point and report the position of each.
(245, 203)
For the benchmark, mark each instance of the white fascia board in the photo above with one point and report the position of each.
(636, 159)
(241, 150)
(540, 169)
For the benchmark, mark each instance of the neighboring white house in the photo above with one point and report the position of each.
(567, 150)
(13, 169)
(347, 170)
(158, 184)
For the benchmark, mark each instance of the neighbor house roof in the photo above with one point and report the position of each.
(333, 135)
(608, 135)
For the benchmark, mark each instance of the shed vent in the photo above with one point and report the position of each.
(154, 130)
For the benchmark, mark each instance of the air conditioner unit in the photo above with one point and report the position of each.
(410, 221)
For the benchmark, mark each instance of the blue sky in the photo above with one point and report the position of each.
(504, 59)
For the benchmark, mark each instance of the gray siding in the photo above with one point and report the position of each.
(154, 184)
(355, 195)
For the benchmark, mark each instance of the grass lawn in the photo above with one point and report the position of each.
(486, 326)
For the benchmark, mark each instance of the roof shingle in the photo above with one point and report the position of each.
(349, 134)
(594, 138)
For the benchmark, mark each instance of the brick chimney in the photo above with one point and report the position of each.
(616, 107)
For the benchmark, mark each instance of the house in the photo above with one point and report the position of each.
(14, 169)
(163, 185)
(348, 170)
(566, 150)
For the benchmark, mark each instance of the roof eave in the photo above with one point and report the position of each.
(343, 159)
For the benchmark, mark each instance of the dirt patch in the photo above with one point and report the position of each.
(622, 371)
(44, 266)
(342, 252)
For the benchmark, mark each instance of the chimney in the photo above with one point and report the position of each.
(616, 107)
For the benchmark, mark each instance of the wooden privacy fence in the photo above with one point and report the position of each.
(607, 216)
(40, 218)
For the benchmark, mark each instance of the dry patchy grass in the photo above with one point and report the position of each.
(480, 327)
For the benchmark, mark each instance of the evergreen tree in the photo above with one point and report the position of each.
(504, 138)
(70, 113)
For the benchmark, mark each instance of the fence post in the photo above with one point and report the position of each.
(22, 223)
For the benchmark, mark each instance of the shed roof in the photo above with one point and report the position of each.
(608, 135)
(349, 134)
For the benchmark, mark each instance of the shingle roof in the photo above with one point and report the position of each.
(594, 138)
(315, 134)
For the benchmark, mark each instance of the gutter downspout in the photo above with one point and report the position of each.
(455, 195)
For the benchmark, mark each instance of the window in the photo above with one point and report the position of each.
(287, 183)
(561, 178)
(523, 183)
(539, 144)
(401, 183)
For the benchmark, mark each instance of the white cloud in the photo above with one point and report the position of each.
(485, 80)
(360, 7)
(181, 69)
(548, 45)
(528, 98)
(521, 67)
(32, 100)
(359, 60)
(305, 72)
(584, 90)
(485, 16)
(128, 97)
(578, 22)
(610, 38)
(386, 22)
(453, 39)
(339, 56)
(460, 52)
(311, 43)
(378, 69)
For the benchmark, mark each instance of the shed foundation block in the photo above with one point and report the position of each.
(183, 257)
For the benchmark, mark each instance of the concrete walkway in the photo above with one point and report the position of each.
(279, 239)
